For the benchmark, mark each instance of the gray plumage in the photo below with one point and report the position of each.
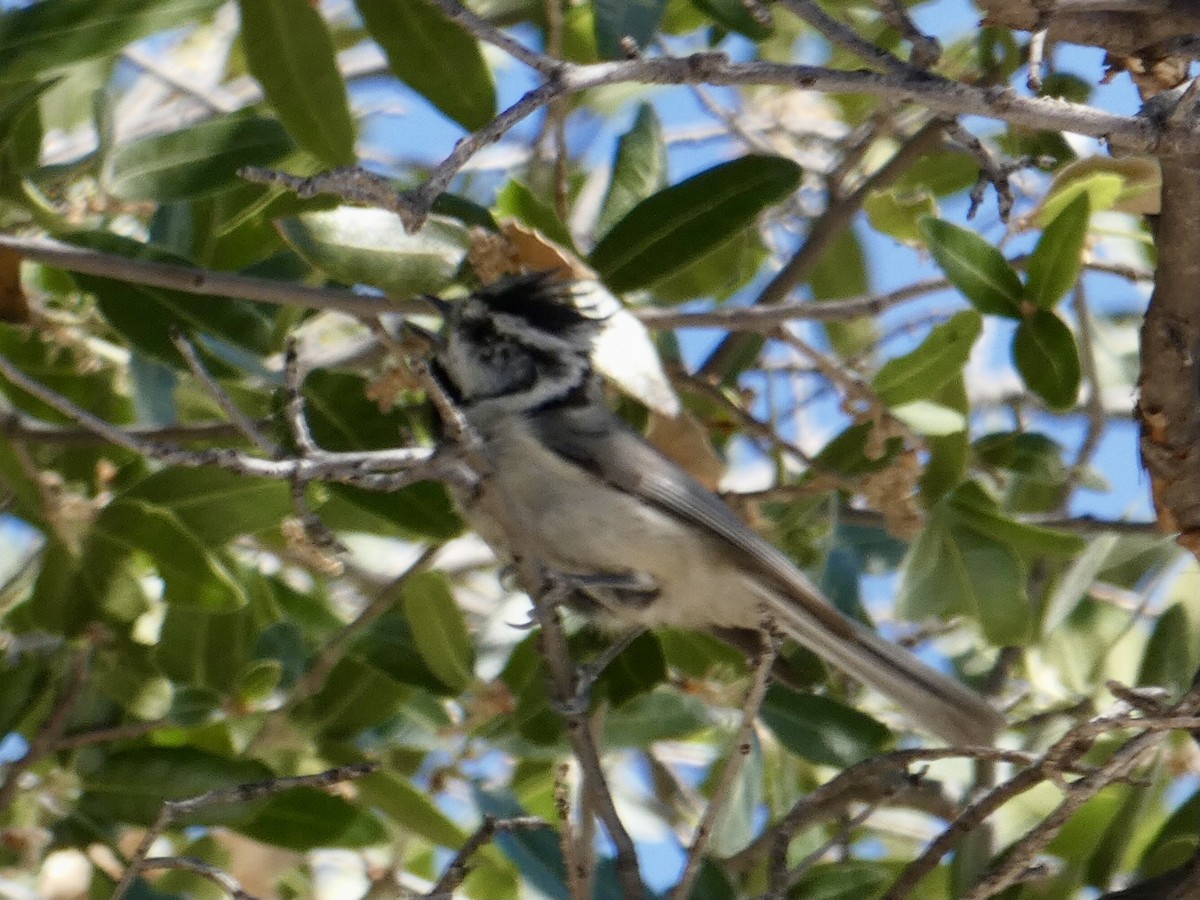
(597, 500)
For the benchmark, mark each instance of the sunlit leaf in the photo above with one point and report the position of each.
(975, 267)
(195, 161)
(290, 53)
(921, 373)
(639, 170)
(49, 36)
(1056, 260)
(434, 56)
(439, 629)
(370, 246)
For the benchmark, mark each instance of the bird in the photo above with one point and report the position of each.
(643, 543)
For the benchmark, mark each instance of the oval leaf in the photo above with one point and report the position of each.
(667, 231)
(49, 37)
(305, 818)
(1047, 357)
(132, 784)
(440, 631)
(639, 169)
(290, 53)
(975, 267)
(821, 729)
(196, 161)
(433, 56)
(939, 358)
(1056, 260)
(370, 246)
(191, 572)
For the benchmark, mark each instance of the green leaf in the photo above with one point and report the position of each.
(931, 419)
(410, 809)
(390, 645)
(21, 683)
(370, 246)
(1029, 454)
(196, 161)
(305, 818)
(289, 51)
(667, 231)
(899, 215)
(738, 818)
(661, 715)
(972, 507)
(1045, 353)
(1173, 651)
(840, 273)
(951, 571)
(820, 729)
(50, 36)
(1054, 266)
(939, 358)
(439, 628)
(975, 267)
(213, 504)
(191, 574)
(433, 56)
(854, 879)
(719, 274)
(639, 168)
(200, 647)
(735, 15)
(1075, 583)
(537, 853)
(517, 201)
(618, 19)
(146, 315)
(638, 669)
(132, 784)
(356, 695)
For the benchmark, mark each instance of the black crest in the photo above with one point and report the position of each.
(543, 301)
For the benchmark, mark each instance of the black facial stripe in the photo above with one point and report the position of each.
(442, 377)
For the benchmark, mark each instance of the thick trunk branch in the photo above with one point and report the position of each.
(1169, 405)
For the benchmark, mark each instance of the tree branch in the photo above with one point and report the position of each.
(172, 810)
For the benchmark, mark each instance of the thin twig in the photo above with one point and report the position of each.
(374, 470)
(459, 867)
(844, 36)
(1037, 60)
(172, 810)
(219, 877)
(901, 83)
(740, 748)
(129, 732)
(313, 678)
(237, 418)
(52, 727)
(206, 282)
(16, 426)
(825, 230)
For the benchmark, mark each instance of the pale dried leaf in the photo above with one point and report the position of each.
(683, 439)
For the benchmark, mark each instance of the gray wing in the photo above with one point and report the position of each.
(598, 441)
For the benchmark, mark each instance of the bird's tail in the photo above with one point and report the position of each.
(934, 701)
